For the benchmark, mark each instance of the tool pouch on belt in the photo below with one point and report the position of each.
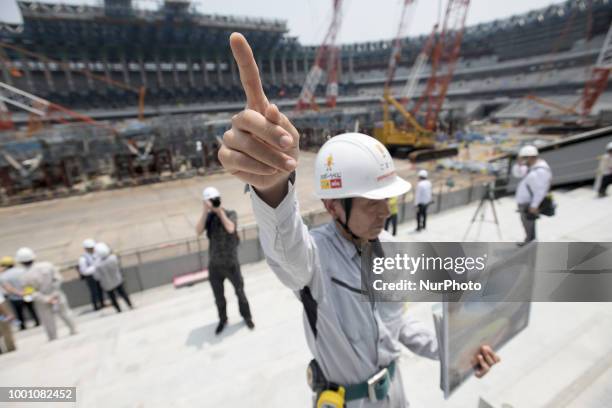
(328, 395)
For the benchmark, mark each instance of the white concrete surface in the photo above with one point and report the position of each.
(164, 353)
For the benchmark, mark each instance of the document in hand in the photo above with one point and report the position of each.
(463, 326)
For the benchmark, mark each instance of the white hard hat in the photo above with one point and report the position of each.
(528, 151)
(422, 173)
(210, 192)
(356, 165)
(101, 250)
(89, 243)
(609, 146)
(25, 255)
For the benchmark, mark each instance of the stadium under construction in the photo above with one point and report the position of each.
(110, 95)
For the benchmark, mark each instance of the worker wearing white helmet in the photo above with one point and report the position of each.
(86, 269)
(11, 283)
(354, 344)
(422, 199)
(221, 225)
(49, 299)
(108, 273)
(605, 171)
(536, 177)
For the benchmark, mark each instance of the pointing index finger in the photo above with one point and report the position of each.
(249, 73)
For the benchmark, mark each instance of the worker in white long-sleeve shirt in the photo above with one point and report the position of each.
(355, 344)
(422, 199)
(87, 268)
(49, 298)
(535, 175)
(605, 168)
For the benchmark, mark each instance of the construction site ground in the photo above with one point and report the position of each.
(155, 214)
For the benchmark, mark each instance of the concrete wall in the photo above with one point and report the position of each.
(148, 269)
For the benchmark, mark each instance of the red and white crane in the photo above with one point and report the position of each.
(445, 53)
(326, 61)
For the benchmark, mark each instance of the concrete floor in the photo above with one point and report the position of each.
(164, 353)
(141, 216)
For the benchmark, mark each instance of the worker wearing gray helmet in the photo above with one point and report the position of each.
(355, 344)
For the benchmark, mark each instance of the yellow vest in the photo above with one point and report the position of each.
(393, 205)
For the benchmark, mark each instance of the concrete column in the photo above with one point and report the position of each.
(295, 69)
(219, 71)
(160, 77)
(125, 69)
(190, 71)
(205, 73)
(175, 72)
(273, 69)
(351, 67)
(284, 69)
(89, 66)
(68, 73)
(106, 70)
(143, 72)
(48, 77)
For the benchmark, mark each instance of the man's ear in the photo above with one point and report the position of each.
(334, 209)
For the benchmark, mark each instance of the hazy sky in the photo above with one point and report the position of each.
(363, 20)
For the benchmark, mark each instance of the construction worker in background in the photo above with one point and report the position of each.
(422, 199)
(87, 268)
(221, 230)
(108, 273)
(355, 343)
(536, 176)
(10, 280)
(6, 317)
(392, 219)
(49, 299)
(605, 170)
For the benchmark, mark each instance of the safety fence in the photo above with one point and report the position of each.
(150, 267)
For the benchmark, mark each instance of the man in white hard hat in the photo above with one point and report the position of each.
(422, 199)
(221, 230)
(605, 167)
(354, 347)
(536, 176)
(87, 268)
(10, 280)
(108, 273)
(49, 298)
(6, 317)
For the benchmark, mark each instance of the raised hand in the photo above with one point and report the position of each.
(262, 147)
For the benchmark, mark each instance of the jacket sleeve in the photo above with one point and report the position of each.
(288, 246)
(418, 338)
(412, 333)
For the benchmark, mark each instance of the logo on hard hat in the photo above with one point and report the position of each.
(329, 162)
(330, 179)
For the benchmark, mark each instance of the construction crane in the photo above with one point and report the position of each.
(416, 136)
(598, 79)
(326, 61)
(444, 57)
(409, 90)
(140, 91)
(42, 110)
